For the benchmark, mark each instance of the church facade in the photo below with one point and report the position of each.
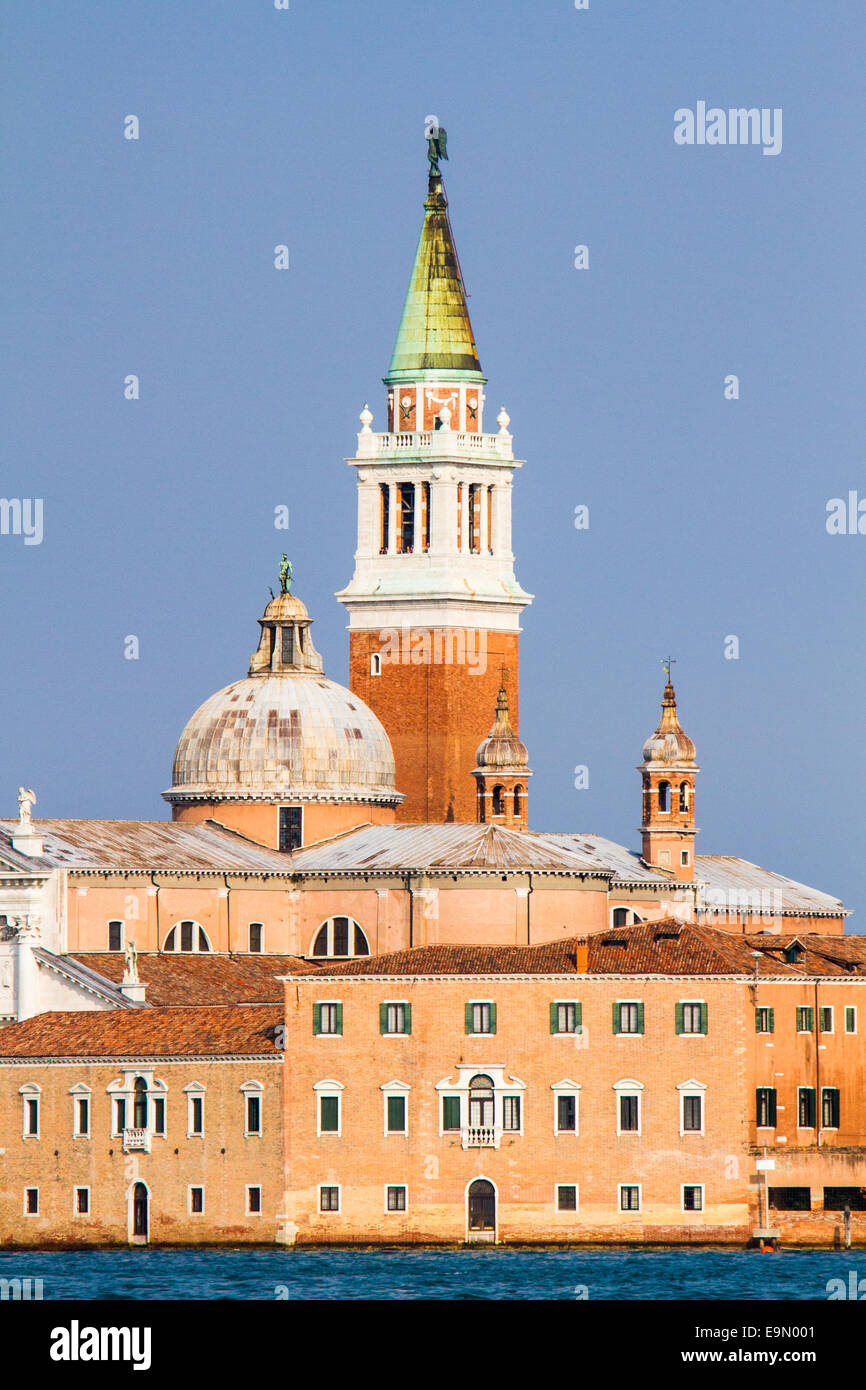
(339, 860)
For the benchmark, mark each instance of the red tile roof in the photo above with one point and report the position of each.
(239, 1030)
(201, 979)
(647, 948)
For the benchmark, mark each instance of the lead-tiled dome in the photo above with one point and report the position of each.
(285, 731)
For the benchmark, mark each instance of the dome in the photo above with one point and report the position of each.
(502, 750)
(290, 734)
(669, 744)
(285, 730)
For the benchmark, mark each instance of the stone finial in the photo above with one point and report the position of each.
(366, 438)
(503, 420)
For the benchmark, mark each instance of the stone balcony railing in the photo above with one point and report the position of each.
(481, 1137)
(136, 1141)
(496, 446)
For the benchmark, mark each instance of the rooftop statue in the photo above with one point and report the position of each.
(437, 142)
(26, 801)
(285, 575)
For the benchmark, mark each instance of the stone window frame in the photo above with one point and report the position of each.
(30, 1091)
(248, 1090)
(390, 1089)
(566, 1087)
(629, 1087)
(195, 1091)
(332, 1088)
(81, 1091)
(690, 1090)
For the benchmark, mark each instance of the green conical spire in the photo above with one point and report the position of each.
(435, 334)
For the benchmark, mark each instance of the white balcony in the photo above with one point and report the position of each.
(136, 1141)
(382, 446)
(481, 1137)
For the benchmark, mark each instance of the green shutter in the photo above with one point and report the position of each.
(679, 1008)
(553, 1017)
(396, 1114)
(339, 1018)
(383, 1018)
(616, 1027)
(773, 1107)
(703, 1018)
(317, 1018)
(450, 1112)
(493, 1018)
(772, 1016)
(329, 1114)
(407, 1015)
(468, 1018)
(578, 1017)
(640, 1018)
(757, 1020)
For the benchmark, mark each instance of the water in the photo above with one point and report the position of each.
(434, 1274)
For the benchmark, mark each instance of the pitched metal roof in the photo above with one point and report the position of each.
(743, 884)
(444, 848)
(137, 844)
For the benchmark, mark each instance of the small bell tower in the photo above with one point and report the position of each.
(668, 775)
(501, 771)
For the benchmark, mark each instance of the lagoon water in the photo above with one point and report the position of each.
(328, 1274)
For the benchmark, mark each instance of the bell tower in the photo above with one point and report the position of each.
(668, 775)
(501, 772)
(434, 605)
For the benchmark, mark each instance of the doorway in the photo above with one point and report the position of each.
(140, 1214)
(482, 1210)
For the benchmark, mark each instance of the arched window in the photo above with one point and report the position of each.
(518, 801)
(139, 1104)
(376, 664)
(498, 801)
(481, 1102)
(684, 796)
(186, 936)
(620, 917)
(340, 936)
(664, 796)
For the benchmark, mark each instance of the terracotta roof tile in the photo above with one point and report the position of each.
(221, 1032)
(202, 979)
(663, 947)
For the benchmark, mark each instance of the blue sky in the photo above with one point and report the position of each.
(707, 516)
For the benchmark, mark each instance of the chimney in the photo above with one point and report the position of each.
(581, 955)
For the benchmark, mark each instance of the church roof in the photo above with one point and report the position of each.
(106, 845)
(442, 847)
(435, 334)
(745, 884)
